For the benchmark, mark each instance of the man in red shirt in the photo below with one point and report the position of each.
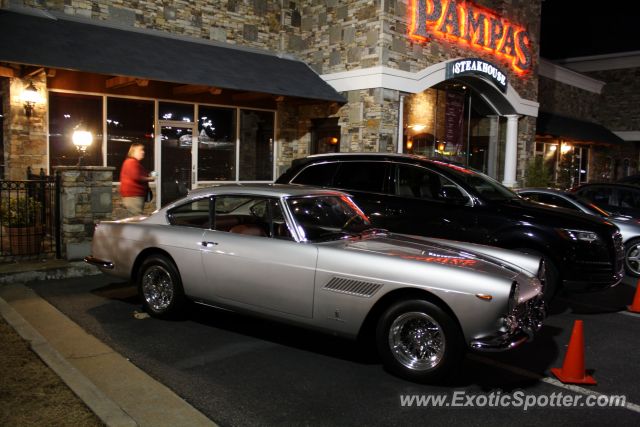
(134, 180)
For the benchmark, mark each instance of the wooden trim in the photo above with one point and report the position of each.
(189, 89)
(118, 82)
(9, 72)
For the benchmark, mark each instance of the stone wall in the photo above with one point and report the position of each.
(86, 199)
(619, 105)
(25, 139)
(564, 99)
(263, 24)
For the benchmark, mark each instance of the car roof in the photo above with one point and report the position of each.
(606, 184)
(399, 157)
(541, 190)
(266, 190)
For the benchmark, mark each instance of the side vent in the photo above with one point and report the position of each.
(352, 287)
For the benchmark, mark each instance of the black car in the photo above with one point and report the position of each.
(437, 198)
(617, 199)
(632, 179)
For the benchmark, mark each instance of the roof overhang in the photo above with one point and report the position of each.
(581, 131)
(57, 40)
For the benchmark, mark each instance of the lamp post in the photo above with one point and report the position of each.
(82, 139)
(29, 98)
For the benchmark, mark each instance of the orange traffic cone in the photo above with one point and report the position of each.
(635, 307)
(573, 367)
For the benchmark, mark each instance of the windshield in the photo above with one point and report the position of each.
(323, 218)
(483, 184)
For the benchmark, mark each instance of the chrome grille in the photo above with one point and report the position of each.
(352, 287)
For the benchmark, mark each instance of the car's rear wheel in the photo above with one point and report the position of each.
(160, 287)
(632, 257)
(551, 281)
(419, 341)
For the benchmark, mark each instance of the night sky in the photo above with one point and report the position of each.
(572, 28)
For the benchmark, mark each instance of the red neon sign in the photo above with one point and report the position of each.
(467, 22)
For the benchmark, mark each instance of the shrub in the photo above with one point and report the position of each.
(19, 211)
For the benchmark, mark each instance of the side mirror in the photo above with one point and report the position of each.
(453, 195)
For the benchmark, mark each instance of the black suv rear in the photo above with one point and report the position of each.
(437, 198)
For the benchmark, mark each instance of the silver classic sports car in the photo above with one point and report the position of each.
(310, 257)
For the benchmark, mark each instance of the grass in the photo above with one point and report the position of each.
(31, 394)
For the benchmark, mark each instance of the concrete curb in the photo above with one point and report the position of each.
(104, 408)
(45, 270)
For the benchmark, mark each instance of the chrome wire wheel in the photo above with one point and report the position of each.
(417, 341)
(633, 258)
(157, 287)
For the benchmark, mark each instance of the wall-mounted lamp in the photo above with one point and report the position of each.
(29, 97)
(82, 139)
(334, 140)
(409, 145)
(418, 128)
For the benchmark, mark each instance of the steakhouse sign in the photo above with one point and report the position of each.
(482, 28)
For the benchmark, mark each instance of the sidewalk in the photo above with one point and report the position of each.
(117, 391)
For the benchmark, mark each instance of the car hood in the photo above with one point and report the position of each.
(411, 248)
(554, 216)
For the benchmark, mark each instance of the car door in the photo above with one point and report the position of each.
(367, 183)
(425, 203)
(601, 196)
(628, 202)
(251, 259)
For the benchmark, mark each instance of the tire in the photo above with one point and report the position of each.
(552, 277)
(632, 258)
(402, 324)
(160, 287)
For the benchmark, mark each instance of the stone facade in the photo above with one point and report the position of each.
(86, 199)
(619, 105)
(561, 98)
(331, 36)
(25, 138)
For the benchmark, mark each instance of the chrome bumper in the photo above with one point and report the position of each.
(528, 322)
(98, 262)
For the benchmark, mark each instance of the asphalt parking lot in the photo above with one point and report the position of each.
(242, 371)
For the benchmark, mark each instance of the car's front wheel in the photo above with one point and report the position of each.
(160, 287)
(419, 341)
(632, 258)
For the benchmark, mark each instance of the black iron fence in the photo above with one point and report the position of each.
(30, 218)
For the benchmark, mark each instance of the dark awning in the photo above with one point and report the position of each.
(53, 40)
(575, 129)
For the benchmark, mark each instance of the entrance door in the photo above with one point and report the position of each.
(176, 170)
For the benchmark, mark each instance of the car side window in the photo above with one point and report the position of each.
(253, 216)
(320, 175)
(598, 195)
(628, 198)
(421, 183)
(193, 214)
(361, 176)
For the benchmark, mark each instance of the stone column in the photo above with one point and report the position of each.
(511, 151)
(492, 155)
(85, 200)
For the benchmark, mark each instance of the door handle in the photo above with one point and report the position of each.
(207, 244)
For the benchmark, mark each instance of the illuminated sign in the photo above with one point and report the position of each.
(480, 67)
(481, 28)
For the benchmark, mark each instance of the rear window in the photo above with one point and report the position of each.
(320, 175)
(361, 176)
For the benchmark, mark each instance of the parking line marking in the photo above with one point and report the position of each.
(612, 310)
(548, 380)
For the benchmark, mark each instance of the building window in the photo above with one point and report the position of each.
(216, 144)
(129, 121)
(325, 136)
(66, 111)
(256, 145)
(175, 111)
